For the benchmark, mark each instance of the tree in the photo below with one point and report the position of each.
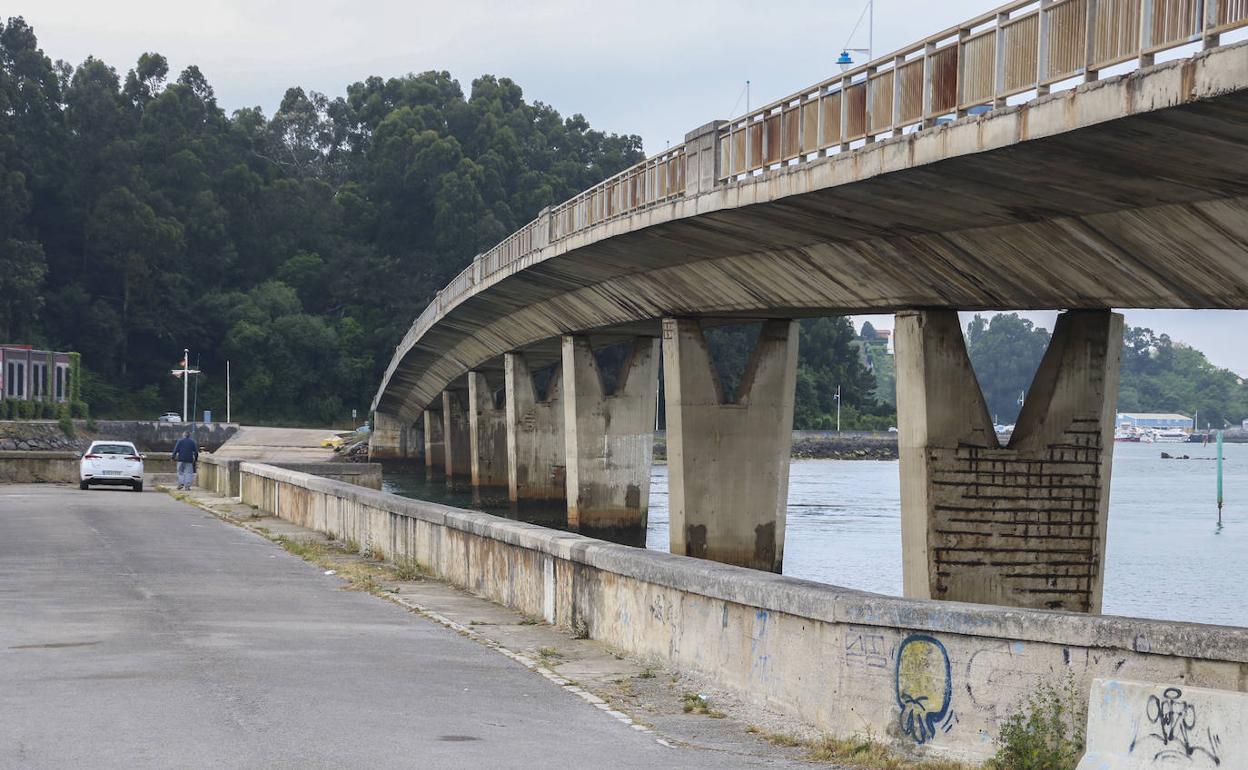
(1005, 353)
(868, 331)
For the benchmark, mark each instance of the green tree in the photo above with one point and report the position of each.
(1005, 353)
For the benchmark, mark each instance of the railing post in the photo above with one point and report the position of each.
(820, 139)
(929, 87)
(1146, 32)
(1210, 21)
(1042, 53)
(998, 79)
(845, 81)
(896, 123)
(869, 101)
(958, 110)
(702, 157)
(1089, 52)
(542, 231)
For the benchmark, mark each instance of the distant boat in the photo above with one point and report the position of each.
(1170, 436)
(1126, 433)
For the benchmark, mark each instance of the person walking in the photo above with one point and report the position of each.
(186, 454)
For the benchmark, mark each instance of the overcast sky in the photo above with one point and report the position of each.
(657, 69)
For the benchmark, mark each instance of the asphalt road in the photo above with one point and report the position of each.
(137, 631)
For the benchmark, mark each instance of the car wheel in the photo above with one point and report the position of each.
(82, 485)
(138, 487)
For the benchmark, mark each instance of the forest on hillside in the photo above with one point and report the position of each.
(138, 219)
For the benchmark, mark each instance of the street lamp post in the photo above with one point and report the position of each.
(838, 408)
(185, 373)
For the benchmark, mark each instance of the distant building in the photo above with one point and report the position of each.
(27, 374)
(1155, 421)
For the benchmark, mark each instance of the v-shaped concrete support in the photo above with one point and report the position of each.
(1022, 525)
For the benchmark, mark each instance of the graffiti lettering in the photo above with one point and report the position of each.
(1173, 722)
(924, 686)
(868, 650)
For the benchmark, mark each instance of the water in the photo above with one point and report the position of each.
(1166, 559)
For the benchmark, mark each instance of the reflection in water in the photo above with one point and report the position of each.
(415, 483)
(1166, 558)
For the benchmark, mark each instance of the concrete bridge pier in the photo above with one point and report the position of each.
(536, 478)
(1021, 525)
(392, 438)
(609, 440)
(487, 425)
(435, 446)
(728, 462)
(457, 436)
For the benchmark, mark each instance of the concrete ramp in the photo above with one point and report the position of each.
(1141, 725)
(289, 444)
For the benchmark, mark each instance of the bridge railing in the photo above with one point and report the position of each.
(1024, 46)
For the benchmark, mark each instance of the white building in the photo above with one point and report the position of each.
(1155, 421)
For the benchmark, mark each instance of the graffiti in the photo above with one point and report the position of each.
(867, 650)
(1173, 722)
(924, 687)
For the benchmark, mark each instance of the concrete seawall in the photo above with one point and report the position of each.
(929, 677)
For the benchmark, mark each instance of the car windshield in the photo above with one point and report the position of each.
(112, 449)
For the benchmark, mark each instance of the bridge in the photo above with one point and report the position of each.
(1037, 156)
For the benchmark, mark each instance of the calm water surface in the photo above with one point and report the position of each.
(1166, 558)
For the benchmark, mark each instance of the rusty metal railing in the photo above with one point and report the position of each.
(1025, 46)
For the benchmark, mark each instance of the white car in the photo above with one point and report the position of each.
(170, 417)
(115, 463)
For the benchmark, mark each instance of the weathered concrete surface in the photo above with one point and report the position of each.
(435, 443)
(728, 462)
(1144, 725)
(1128, 192)
(609, 438)
(154, 436)
(221, 474)
(280, 444)
(536, 468)
(456, 435)
(1021, 525)
(488, 441)
(137, 631)
(20, 467)
(929, 677)
(392, 438)
(26, 466)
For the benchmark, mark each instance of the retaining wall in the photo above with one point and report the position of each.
(221, 474)
(25, 466)
(930, 677)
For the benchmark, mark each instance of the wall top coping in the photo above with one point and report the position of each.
(804, 598)
(38, 454)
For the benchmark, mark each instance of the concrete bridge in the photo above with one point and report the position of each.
(874, 191)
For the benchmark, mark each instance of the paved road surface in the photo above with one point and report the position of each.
(137, 631)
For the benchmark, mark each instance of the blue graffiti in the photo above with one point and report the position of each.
(924, 686)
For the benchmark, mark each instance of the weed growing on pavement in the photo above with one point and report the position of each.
(863, 753)
(693, 703)
(409, 570)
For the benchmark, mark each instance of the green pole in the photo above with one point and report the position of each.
(1219, 478)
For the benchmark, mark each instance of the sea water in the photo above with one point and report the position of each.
(1166, 557)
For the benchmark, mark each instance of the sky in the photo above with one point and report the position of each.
(656, 69)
